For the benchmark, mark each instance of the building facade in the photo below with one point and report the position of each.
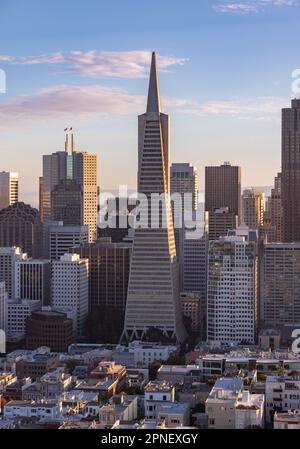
(9, 189)
(70, 287)
(290, 172)
(109, 265)
(232, 301)
(280, 279)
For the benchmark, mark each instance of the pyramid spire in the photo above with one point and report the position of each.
(153, 103)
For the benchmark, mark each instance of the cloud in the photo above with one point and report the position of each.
(65, 101)
(126, 64)
(248, 6)
(92, 102)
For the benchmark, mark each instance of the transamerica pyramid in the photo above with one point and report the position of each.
(153, 299)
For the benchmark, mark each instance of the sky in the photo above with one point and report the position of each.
(225, 70)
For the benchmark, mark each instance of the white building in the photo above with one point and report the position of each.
(17, 314)
(120, 407)
(8, 259)
(156, 394)
(232, 289)
(143, 353)
(220, 404)
(249, 410)
(29, 409)
(287, 420)
(282, 394)
(9, 189)
(70, 287)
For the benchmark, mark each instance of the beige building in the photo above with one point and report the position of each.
(220, 404)
(253, 205)
(9, 189)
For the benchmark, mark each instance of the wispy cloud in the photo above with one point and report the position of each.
(248, 6)
(126, 64)
(95, 101)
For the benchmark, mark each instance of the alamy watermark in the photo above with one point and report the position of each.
(152, 211)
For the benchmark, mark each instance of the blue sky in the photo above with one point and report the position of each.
(225, 72)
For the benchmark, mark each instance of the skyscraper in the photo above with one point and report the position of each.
(253, 208)
(290, 179)
(276, 208)
(280, 284)
(232, 299)
(67, 202)
(108, 272)
(223, 188)
(184, 179)
(85, 174)
(20, 225)
(70, 287)
(64, 168)
(153, 300)
(9, 189)
(184, 184)
(8, 259)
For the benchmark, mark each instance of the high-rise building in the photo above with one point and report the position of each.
(223, 188)
(280, 284)
(85, 173)
(153, 300)
(253, 205)
(9, 189)
(61, 238)
(67, 202)
(70, 287)
(109, 265)
(290, 177)
(195, 275)
(232, 299)
(195, 265)
(54, 171)
(183, 185)
(220, 221)
(33, 280)
(8, 259)
(276, 208)
(3, 308)
(20, 226)
(79, 167)
(184, 180)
